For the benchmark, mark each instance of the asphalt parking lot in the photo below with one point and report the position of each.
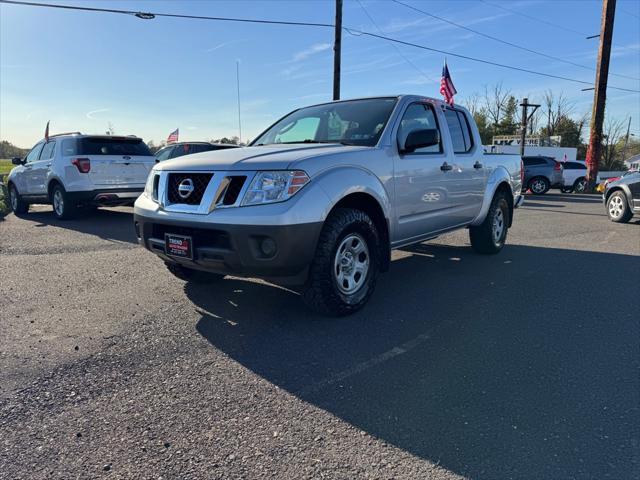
(521, 365)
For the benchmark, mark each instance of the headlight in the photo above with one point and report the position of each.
(276, 186)
(151, 187)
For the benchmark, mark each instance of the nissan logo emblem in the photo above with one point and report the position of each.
(185, 188)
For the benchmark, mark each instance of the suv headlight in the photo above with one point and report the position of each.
(275, 186)
(151, 187)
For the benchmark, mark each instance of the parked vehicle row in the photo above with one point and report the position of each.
(180, 149)
(321, 197)
(541, 174)
(73, 171)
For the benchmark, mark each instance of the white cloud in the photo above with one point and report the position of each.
(90, 115)
(224, 44)
(313, 49)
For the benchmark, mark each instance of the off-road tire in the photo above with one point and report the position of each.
(321, 292)
(18, 205)
(625, 212)
(483, 237)
(191, 275)
(63, 207)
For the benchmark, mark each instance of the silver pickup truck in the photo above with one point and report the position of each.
(321, 197)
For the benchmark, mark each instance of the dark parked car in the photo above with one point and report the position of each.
(541, 174)
(622, 197)
(180, 149)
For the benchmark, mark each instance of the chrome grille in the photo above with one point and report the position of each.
(199, 180)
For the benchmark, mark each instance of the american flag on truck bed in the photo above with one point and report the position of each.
(446, 85)
(173, 136)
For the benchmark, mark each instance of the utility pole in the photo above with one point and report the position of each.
(626, 140)
(337, 48)
(523, 122)
(600, 96)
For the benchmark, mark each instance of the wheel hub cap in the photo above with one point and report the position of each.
(498, 226)
(351, 264)
(616, 207)
(58, 202)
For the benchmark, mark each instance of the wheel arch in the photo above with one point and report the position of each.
(619, 188)
(52, 183)
(368, 204)
(499, 180)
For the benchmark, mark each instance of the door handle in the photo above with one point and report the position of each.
(445, 166)
(48, 164)
(477, 165)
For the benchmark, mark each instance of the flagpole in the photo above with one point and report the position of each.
(238, 88)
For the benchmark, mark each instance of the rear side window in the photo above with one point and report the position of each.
(47, 151)
(459, 129)
(574, 166)
(107, 146)
(531, 161)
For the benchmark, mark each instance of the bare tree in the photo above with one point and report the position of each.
(495, 99)
(556, 107)
(473, 103)
(613, 131)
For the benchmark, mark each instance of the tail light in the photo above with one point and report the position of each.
(82, 164)
(557, 167)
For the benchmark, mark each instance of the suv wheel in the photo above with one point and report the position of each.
(489, 237)
(18, 205)
(539, 185)
(191, 275)
(63, 207)
(618, 208)
(580, 185)
(345, 268)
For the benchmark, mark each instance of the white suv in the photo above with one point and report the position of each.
(72, 171)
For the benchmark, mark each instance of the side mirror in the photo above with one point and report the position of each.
(421, 139)
(17, 161)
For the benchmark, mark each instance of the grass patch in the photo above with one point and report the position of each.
(5, 167)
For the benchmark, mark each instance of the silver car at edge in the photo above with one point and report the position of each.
(322, 197)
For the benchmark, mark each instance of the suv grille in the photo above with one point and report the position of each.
(200, 182)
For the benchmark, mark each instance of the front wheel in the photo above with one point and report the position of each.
(618, 208)
(489, 237)
(18, 205)
(345, 268)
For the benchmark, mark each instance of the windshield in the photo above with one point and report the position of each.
(354, 122)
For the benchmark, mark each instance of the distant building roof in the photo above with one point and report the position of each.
(634, 159)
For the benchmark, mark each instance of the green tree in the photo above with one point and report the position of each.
(9, 150)
(508, 124)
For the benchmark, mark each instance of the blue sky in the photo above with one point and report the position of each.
(148, 77)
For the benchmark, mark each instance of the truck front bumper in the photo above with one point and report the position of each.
(282, 252)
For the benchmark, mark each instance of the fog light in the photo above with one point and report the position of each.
(268, 247)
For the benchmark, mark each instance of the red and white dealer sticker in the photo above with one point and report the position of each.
(178, 246)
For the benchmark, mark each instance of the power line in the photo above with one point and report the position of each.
(536, 19)
(496, 39)
(418, 69)
(352, 31)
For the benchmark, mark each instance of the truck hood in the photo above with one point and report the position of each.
(267, 157)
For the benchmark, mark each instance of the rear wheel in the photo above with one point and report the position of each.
(191, 275)
(489, 237)
(580, 185)
(539, 185)
(345, 268)
(618, 208)
(18, 205)
(63, 207)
